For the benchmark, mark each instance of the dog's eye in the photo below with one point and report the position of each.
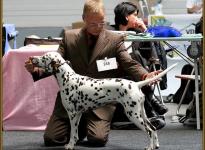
(34, 61)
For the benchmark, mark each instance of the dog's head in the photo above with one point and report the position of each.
(49, 61)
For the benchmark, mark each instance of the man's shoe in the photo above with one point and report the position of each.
(151, 113)
(158, 122)
(158, 106)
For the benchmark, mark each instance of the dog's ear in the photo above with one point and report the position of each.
(55, 65)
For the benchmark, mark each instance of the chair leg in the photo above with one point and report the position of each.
(183, 95)
(158, 87)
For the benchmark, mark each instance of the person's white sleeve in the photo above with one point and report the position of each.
(189, 3)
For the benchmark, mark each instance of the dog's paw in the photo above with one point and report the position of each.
(149, 148)
(69, 147)
(156, 146)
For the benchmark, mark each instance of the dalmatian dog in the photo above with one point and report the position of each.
(80, 93)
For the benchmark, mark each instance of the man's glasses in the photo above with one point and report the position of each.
(96, 25)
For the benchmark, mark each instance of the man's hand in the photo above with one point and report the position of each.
(151, 75)
(29, 66)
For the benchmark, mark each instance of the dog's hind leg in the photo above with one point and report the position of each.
(156, 141)
(154, 137)
(143, 125)
(74, 122)
(137, 116)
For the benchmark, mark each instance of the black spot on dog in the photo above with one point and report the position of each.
(133, 104)
(101, 97)
(70, 97)
(72, 88)
(67, 91)
(85, 98)
(96, 94)
(125, 91)
(77, 80)
(129, 113)
(80, 107)
(89, 79)
(122, 94)
(118, 80)
(129, 86)
(81, 83)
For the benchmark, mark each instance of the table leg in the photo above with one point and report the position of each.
(197, 94)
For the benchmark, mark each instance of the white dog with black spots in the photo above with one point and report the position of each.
(80, 93)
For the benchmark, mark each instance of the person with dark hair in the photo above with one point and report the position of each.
(126, 19)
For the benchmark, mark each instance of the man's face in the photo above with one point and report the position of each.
(94, 23)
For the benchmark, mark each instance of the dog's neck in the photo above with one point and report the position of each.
(63, 72)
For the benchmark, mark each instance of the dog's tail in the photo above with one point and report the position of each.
(147, 81)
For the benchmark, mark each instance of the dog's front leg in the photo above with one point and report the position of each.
(74, 122)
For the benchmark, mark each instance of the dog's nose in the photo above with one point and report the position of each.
(31, 59)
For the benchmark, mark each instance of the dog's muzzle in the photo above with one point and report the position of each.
(33, 61)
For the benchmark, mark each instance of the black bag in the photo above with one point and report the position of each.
(199, 26)
(187, 69)
(161, 53)
(191, 109)
(191, 112)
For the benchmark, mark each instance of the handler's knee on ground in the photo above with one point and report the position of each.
(53, 140)
(98, 139)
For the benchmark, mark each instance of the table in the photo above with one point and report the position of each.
(27, 105)
(193, 38)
